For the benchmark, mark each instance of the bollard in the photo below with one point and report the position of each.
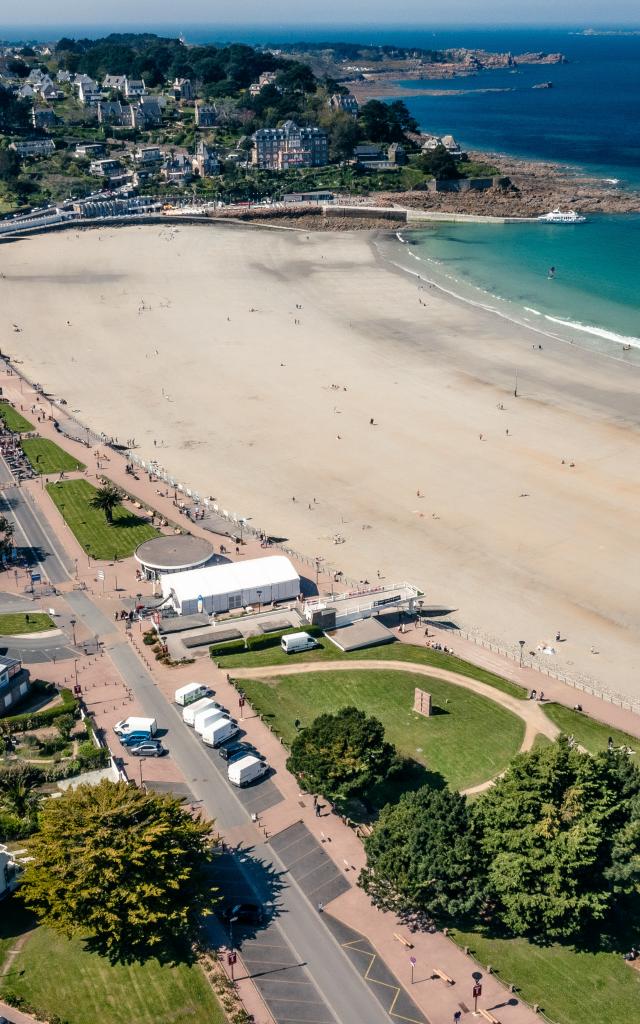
(535, 1008)
(489, 969)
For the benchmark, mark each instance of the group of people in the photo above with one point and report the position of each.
(534, 695)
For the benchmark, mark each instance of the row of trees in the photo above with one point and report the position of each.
(551, 852)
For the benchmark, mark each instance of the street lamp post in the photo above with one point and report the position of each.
(522, 643)
(259, 593)
(72, 623)
(75, 669)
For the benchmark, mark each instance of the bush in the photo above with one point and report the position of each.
(233, 647)
(14, 827)
(261, 641)
(149, 639)
(92, 757)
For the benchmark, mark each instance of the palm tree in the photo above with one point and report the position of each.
(106, 499)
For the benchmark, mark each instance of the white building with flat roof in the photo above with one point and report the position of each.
(221, 588)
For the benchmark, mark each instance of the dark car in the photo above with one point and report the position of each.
(150, 748)
(233, 751)
(244, 913)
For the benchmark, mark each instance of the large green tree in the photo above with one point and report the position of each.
(123, 867)
(560, 831)
(342, 755)
(439, 163)
(423, 856)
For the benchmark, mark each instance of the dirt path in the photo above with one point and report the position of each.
(529, 711)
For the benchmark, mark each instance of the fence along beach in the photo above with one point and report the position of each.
(252, 364)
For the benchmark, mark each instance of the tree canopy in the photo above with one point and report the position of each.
(124, 867)
(560, 833)
(386, 122)
(439, 163)
(106, 499)
(341, 755)
(423, 856)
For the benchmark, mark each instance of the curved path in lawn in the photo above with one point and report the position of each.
(529, 711)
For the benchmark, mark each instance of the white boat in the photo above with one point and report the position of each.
(562, 217)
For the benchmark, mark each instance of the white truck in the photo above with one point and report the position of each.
(207, 718)
(246, 769)
(192, 710)
(293, 642)
(190, 693)
(220, 731)
(133, 724)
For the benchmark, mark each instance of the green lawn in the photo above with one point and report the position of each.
(587, 732)
(13, 420)
(571, 987)
(469, 739)
(60, 978)
(15, 623)
(47, 457)
(388, 652)
(99, 538)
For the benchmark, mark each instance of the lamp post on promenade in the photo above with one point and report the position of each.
(522, 643)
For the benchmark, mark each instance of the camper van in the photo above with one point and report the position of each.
(220, 731)
(190, 693)
(245, 770)
(294, 642)
(190, 712)
(207, 718)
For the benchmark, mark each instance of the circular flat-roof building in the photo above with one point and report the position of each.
(178, 553)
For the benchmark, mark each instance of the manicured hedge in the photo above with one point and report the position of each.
(261, 641)
(38, 719)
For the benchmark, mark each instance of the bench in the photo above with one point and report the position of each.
(437, 973)
(488, 1016)
(404, 942)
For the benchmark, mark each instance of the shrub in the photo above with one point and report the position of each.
(260, 642)
(38, 719)
(149, 639)
(14, 827)
(91, 757)
(232, 647)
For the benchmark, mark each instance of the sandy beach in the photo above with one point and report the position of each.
(256, 359)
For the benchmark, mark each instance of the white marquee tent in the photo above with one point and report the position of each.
(219, 588)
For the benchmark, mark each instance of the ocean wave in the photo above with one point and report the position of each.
(599, 332)
(535, 311)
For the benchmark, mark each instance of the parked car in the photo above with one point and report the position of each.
(244, 913)
(240, 749)
(150, 748)
(135, 738)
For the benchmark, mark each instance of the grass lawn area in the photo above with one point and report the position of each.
(468, 740)
(47, 457)
(13, 420)
(571, 987)
(388, 652)
(592, 735)
(58, 977)
(15, 623)
(99, 538)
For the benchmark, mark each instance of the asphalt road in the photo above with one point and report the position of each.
(340, 988)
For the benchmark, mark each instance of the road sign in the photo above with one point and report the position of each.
(476, 993)
(36, 577)
(232, 958)
(241, 702)
(412, 961)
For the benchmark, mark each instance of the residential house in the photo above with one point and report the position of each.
(205, 114)
(447, 141)
(35, 76)
(205, 161)
(9, 872)
(396, 154)
(114, 83)
(147, 112)
(107, 168)
(113, 112)
(145, 156)
(26, 92)
(63, 77)
(266, 78)
(345, 102)
(43, 117)
(89, 92)
(91, 149)
(278, 149)
(183, 89)
(34, 147)
(134, 87)
(50, 93)
(14, 684)
(374, 158)
(177, 169)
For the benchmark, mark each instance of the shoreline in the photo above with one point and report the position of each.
(250, 410)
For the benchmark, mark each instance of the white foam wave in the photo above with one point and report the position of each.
(599, 332)
(536, 312)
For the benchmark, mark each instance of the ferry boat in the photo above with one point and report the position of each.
(562, 217)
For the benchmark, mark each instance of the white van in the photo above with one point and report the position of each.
(133, 724)
(207, 718)
(293, 642)
(246, 769)
(190, 712)
(190, 693)
(220, 731)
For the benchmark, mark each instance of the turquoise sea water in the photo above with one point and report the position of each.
(593, 297)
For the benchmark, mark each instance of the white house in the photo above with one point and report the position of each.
(221, 588)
